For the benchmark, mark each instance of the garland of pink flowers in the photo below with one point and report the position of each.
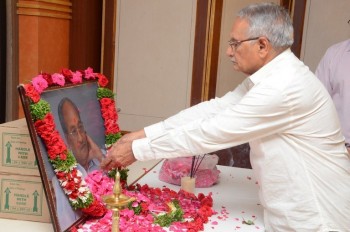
(62, 160)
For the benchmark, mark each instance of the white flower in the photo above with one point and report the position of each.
(82, 189)
(79, 174)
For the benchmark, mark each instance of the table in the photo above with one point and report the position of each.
(235, 199)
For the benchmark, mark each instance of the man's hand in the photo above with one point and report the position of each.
(120, 155)
(129, 137)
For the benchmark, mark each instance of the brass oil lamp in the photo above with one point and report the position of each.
(116, 202)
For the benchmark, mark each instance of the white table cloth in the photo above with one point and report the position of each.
(235, 199)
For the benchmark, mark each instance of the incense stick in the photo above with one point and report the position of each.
(192, 166)
(196, 162)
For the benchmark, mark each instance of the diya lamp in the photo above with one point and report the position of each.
(116, 202)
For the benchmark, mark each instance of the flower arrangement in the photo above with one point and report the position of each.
(61, 159)
(153, 209)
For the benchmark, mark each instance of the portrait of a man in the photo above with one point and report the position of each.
(84, 149)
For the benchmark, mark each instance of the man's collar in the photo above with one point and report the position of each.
(267, 68)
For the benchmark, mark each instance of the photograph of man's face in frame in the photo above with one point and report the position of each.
(77, 117)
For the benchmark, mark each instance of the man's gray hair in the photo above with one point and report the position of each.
(269, 20)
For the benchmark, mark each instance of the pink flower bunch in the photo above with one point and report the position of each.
(45, 80)
(39, 83)
(99, 184)
(89, 74)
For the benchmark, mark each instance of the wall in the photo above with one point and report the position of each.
(325, 24)
(153, 64)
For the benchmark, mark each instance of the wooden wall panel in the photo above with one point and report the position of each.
(108, 40)
(2, 61)
(85, 35)
(43, 43)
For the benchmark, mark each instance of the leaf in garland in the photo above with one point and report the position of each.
(64, 165)
(112, 138)
(82, 204)
(39, 110)
(104, 93)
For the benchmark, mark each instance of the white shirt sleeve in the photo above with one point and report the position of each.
(231, 120)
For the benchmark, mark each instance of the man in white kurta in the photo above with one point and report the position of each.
(288, 118)
(297, 149)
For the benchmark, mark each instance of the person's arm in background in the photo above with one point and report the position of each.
(331, 71)
(323, 71)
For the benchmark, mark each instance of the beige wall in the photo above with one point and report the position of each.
(153, 68)
(325, 24)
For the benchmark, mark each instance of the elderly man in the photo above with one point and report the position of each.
(84, 149)
(286, 115)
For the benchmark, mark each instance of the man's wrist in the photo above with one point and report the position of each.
(142, 150)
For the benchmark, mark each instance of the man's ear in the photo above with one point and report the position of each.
(264, 46)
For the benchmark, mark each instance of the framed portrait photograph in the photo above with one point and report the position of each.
(68, 133)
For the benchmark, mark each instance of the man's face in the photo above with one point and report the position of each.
(244, 55)
(76, 135)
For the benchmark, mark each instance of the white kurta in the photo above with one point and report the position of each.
(297, 149)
